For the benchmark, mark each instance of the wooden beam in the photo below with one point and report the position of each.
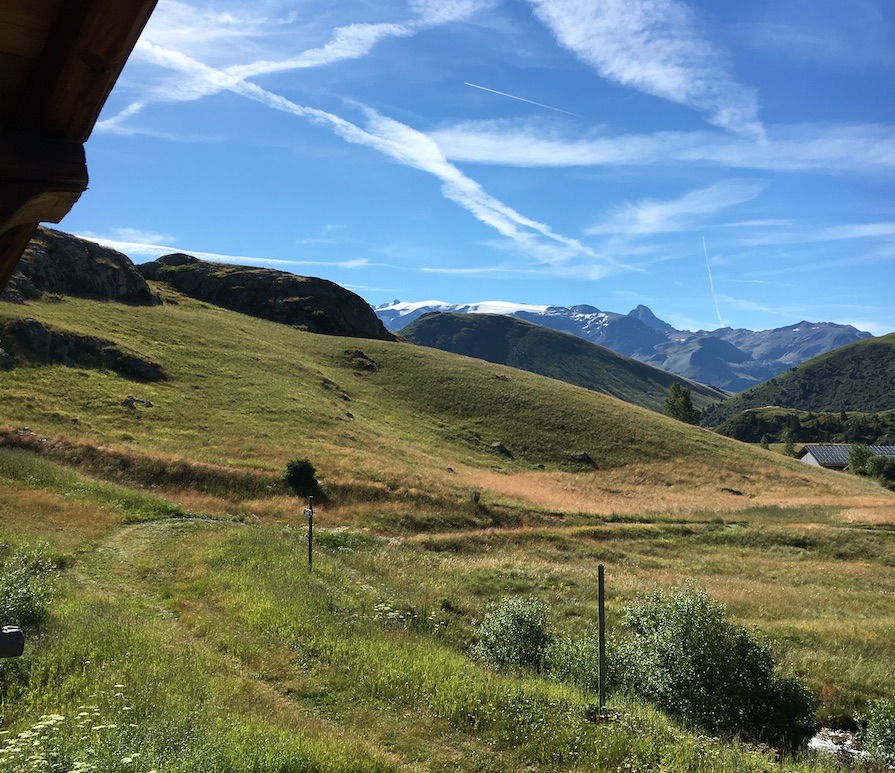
(40, 179)
(86, 49)
(12, 245)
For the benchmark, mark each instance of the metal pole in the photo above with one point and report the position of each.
(309, 512)
(601, 602)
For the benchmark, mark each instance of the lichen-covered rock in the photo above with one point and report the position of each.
(56, 262)
(312, 304)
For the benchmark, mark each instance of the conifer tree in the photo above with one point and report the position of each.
(679, 406)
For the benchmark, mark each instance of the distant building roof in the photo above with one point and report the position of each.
(835, 455)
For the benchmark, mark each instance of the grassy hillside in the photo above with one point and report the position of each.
(189, 634)
(856, 377)
(519, 344)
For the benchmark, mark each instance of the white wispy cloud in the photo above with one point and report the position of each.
(178, 24)
(649, 216)
(143, 251)
(842, 232)
(397, 141)
(207, 36)
(854, 34)
(329, 234)
(137, 236)
(863, 148)
(436, 12)
(858, 231)
(654, 46)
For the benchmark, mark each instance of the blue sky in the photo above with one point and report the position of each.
(719, 162)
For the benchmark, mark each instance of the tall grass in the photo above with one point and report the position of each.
(134, 505)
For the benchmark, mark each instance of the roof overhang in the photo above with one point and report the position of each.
(59, 60)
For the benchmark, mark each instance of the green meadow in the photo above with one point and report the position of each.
(182, 630)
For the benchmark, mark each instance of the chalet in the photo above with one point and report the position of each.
(834, 456)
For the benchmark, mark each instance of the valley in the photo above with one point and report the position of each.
(183, 622)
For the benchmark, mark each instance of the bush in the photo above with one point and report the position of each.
(27, 578)
(687, 658)
(300, 476)
(882, 468)
(879, 738)
(576, 661)
(857, 459)
(515, 633)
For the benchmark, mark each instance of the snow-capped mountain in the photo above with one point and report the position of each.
(733, 359)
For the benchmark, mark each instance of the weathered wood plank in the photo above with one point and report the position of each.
(26, 159)
(24, 25)
(86, 49)
(40, 180)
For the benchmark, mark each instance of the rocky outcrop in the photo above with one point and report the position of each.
(315, 305)
(56, 262)
(29, 340)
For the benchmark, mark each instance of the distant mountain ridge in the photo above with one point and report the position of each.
(506, 340)
(732, 359)
(856, 377)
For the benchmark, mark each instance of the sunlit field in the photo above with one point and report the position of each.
(185, 632)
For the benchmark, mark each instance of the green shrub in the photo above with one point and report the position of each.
(575, 660)
(881, 468)
(687, 658)
(879, 739)
(515, 633)
(27, 576)
(857, 459)
(300, 476)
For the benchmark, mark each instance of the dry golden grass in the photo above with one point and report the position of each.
(65, 523)
(870, 511)
(679, 486)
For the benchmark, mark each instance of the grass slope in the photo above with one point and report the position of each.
(187, 633)
(524, 345)
(252, 394)
(856, 377)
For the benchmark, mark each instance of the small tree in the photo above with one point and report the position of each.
(679, 406)
(765, 443)
(300, 477)
(789, 448)
(857, 459)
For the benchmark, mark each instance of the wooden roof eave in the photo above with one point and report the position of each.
(43, 170)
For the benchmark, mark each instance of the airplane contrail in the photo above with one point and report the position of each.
(711, 282)
(521, 99)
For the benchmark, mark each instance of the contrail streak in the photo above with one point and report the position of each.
(711, 282)
(521, 99)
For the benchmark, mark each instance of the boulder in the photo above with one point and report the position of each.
(56, 262)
